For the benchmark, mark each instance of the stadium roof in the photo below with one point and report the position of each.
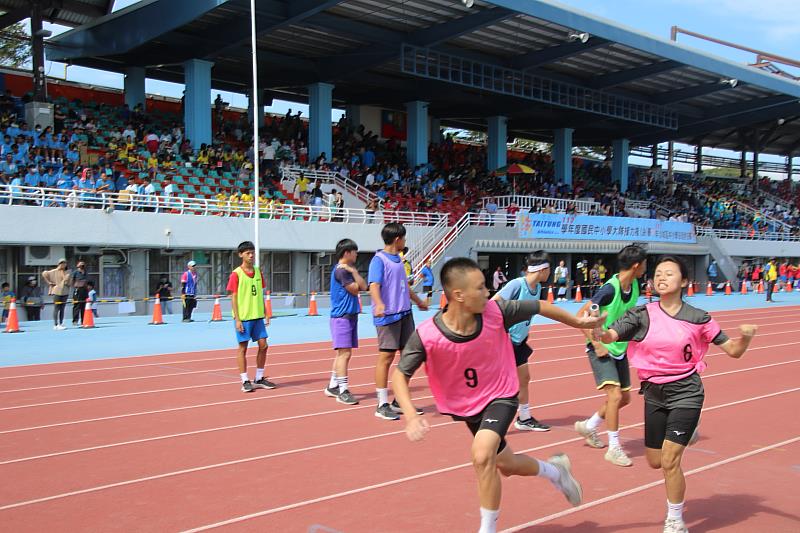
(65, 12)
(541, 64)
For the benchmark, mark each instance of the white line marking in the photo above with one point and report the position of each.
(642, 488)
(321, 446)
(439, 471)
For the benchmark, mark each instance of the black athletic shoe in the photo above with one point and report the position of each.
(332, 392)
(264, 383)
(347, 398)
(247, 386)
(396, 408)
(530, 424)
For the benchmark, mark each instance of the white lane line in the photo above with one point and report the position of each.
(233, 381)
(642, 488)
(276, 351)
(444, 470)
(325, 498)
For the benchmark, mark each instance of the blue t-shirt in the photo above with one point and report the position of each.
(427, 276)
(375, 275)
(342, 302)
(518, 289)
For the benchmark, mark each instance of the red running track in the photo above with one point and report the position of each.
(168, 443)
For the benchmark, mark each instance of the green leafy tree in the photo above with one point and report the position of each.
(15, 46)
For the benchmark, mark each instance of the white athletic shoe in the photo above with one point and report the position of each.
(675, 525)
(617, 456)
(566, 483)
(582, 427)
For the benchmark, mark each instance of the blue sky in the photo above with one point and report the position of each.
(769, 25)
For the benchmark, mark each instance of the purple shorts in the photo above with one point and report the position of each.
(344, 331)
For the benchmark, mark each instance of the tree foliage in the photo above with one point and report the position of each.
(15, 46)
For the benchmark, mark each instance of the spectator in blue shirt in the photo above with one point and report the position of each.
(7, 166)
(32, 177)
(427, 281)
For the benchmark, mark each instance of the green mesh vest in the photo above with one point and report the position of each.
(616, 309)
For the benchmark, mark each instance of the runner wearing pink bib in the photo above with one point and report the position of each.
(668, 341)
(472, 374)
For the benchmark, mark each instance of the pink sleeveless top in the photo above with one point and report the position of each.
(465, 376)
(672, 349)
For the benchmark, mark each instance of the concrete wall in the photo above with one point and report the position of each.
(26, 225)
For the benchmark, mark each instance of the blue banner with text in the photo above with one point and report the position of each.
(586, 227)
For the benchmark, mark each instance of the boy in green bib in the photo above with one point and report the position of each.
(246, 287)
(608, 361)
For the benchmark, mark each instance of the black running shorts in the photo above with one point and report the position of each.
(497, 417)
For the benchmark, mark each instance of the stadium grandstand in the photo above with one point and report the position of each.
(121, 158)
(490, 129)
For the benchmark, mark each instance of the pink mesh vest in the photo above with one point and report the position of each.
(672, 349)
(465, 376)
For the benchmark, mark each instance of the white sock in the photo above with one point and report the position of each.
(259, 373)
(594, 421)
(332, 383)
(383, 396)
(342, 383)
(548, 471)
(488, 520)
(244, 377)
(675, 510)
(524, 411)
(613, 439)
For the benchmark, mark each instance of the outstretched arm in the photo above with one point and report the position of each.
(736, 347)
(416, 426)
(553, 312)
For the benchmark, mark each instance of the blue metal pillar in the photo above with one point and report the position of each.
(197, 103)
(417, 128)
(436, 130)
(496, 144)
(320, 136)
(134, 87)
(619, 164)
(562, 155)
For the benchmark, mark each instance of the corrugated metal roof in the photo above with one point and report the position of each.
(67, 12)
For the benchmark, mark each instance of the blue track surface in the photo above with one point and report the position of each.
(132, 336)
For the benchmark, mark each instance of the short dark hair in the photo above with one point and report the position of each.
(537, 258)
(630, 255)
(392, 231)
(456, 268)
(678, 261)
(245, 246)
(90, 283)
(4, 285)
(344, 246)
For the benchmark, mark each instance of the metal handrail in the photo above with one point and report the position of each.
(75, 198)
(289, 175)
(744, 234)
(531, 202)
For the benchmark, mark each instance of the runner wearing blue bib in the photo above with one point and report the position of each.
(527, 287)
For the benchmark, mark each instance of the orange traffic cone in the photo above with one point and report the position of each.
(268, 305)
(157, 318)
(761, 287)
(744, 286)
(647, 292)
(690, 290)
(88, 316)
(709, 289)
(775, 288)
(550, 295)
(728, 288)
(789, 286)
(216, 313)
(578, 295)
(442, 300)
(312, 305)
(13, 320)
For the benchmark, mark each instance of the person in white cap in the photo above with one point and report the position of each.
(189, 290)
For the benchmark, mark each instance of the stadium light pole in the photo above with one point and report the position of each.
(254, 96)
